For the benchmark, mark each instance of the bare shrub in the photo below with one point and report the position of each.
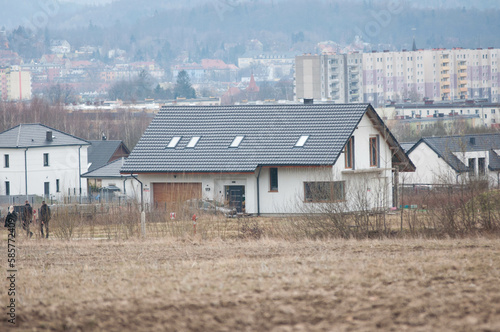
(348, 209)
(250, 229)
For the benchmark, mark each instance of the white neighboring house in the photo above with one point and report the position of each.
(114, 184)
(268, 159)
(449, 159)
(43, 161)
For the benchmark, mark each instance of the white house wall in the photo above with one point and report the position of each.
(63, 166)
(430, 168)
(376, 182)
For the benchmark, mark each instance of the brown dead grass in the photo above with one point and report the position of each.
(190, 284)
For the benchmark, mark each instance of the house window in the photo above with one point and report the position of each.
(374, 151)
(7, 188)
(349, 153)
(173, 142)
(45, 159)
(193, 141)
(302, 140)
(481, 166)
(472, 166)
(57, 186)
(273, 179)
(236, 142)
(6, 161)
(327, 191)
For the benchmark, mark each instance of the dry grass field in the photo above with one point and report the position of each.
(194, 284)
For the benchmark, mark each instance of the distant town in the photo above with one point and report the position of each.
(419, 86)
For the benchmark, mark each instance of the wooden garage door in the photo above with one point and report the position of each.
(175, 193)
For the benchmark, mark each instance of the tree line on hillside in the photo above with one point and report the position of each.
(143, 87)
(124, 125)
(208, 30)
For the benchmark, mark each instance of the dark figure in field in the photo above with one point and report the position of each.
(44, 218)
(10, 220)
(27, 217)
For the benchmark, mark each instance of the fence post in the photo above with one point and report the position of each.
(143, 223)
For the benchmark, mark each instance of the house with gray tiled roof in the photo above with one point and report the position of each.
(40, 160)
(449, 159)
(267, 159)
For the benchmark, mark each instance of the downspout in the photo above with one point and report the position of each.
(80, 174)
(143, 213)
(26, 172)
(142, 192)
(258, 192)
(124, 180)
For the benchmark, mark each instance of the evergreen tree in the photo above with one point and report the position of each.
(183, 86)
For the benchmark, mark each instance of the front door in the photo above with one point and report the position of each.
(235, 195)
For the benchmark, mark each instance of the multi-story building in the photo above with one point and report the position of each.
(15, 83)
(482, 113)
(210, 70)
(335, 77)
(268, 65)
(437, 74)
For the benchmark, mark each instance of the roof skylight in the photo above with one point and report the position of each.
(173, 142)
(193, 141)
(302, 140)
(236, 142)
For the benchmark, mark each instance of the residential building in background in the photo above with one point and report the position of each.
(453, 159)
(208, 71)
(268, 65)
(39, 160)
(480, 113)
(436, 74)
(335, 77)
(15, 83)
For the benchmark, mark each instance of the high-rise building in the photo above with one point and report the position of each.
(437, 74)
(15, 83)
(335, 77)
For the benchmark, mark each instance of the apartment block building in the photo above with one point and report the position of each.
(335, 77)
(437, 74)
(15, 83)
